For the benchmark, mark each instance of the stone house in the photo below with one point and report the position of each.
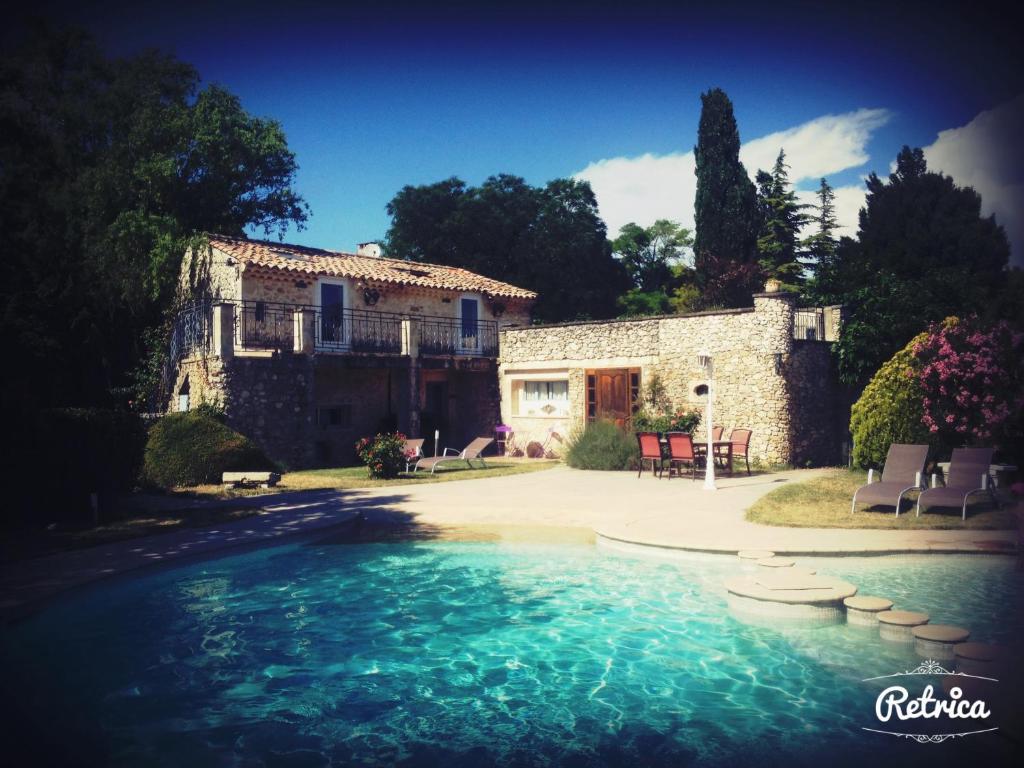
(307, 350)
(772, 374)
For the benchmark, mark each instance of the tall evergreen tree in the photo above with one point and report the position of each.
(820, 246)
(725, 209)
(782, 217)
(923, 252)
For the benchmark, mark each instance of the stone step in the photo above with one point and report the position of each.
(936, 641)
(983, 659)
(776, 562)
(864, 609)
(897, 626)
(755, 554)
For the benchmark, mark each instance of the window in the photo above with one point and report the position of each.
(332, 313)
(545, 390)
(634, 391)
(469, 312)
(334, 416)
(261, 311)
(591, 396)
(183, 393)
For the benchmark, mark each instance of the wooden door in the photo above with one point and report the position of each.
(613, 396)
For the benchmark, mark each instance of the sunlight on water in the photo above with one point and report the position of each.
(473, 654)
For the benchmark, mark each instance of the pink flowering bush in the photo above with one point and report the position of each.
(972, 382)
(383, 454)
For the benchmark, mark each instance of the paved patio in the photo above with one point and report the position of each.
(616, 507)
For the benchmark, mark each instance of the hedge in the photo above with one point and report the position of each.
(74, 453)
(193, 448)
(889, 410)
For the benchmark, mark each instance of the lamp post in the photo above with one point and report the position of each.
(705, 361)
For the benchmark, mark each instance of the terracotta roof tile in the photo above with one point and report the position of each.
(317, 261)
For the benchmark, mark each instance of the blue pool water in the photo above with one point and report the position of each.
(472, 654)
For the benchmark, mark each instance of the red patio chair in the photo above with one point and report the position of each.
(681, 452)
(740, 439)
(650, 450)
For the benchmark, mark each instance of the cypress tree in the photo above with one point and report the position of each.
(725, 209)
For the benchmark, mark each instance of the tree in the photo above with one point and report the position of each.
(549, 239)
(820, 246)
(109, 170)
(653, 258)
(725, 209)
(923, 252)
(782, 218)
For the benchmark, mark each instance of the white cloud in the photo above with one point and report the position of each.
(650, 187)
(986, 154)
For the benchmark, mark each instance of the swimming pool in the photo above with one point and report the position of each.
(468, 654)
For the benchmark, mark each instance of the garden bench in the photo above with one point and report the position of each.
(250, 479)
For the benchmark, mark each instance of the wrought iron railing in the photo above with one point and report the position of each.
(356, 330)
(809, 324)
(192, 331)
(264, 325)
(453, 336)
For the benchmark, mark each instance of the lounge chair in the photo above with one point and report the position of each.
(681, 452)
(903, 470)
(968, 474)
(469, 454)
(650, 450)
(413, 451)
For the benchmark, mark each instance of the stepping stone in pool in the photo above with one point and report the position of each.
(936, 641)
(982, 659)
(805, 598)
(898, 626)
(776, 562)
(864, 609)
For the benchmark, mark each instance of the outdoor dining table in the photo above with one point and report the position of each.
(722, 448)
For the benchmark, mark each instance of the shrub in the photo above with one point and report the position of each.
(972, 381)
(82, 451)
(602, 445)
(383, 454)
(678, 421)
(195, 447)
(889, 410)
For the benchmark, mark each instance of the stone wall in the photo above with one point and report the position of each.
(820, 423)
(753, 385)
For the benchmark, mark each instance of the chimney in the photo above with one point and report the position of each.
(371, 249)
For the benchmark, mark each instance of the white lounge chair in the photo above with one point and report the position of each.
(469, 454)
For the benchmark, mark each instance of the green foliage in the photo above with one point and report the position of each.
(653, 258)
(725, 208)
(782, 217)
(889, 410)
(820, 246)
(383, 454)
(506, 229)
(924, 252)
(111, 169)
(194, 448)
(602, 445)
(666, 421)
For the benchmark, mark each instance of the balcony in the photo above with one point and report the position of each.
(267, 326)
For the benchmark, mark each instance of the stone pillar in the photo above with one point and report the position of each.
(305, 331)
(774, 312)
(833, 322)
(411, 337)
(224, 330)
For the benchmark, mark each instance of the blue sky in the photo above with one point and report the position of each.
(375, 98)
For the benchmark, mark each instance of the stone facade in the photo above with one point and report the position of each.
(763, 379)
(307, 406)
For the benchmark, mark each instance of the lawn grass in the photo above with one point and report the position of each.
(349, 478)
(824, 502)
